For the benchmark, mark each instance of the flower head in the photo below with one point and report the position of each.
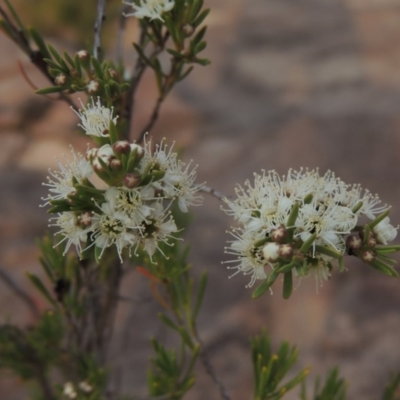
(152, 9)
(95, 119)
(61, 183)
(301, 221)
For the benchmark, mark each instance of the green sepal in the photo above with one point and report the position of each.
(308, 198)
(261, 242)
(383, 268)
(387, 249)
(39, 42)
(98, 253)
(379, 218)
(287, 284)
(357, 207)
(308, 243)
(261, 289)
(199, 20)
(328, 251)
(294, 213)
(61, 63)
(41, 288)
(97, 67)
(152, 177)
(49, 90)
(113, 133)
(200, 294)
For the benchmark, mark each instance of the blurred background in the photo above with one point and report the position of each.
(305, 83)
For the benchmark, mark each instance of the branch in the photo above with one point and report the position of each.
(6, 278)
(97, 29)
(153, 119)
(209, 368)
(36, 57)
(120, 34)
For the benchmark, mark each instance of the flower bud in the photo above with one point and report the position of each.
(131, 180)
(353, 242)
(61, 80)
(85, 387)
(188, 30)
(93, 87)
(286, 251)
(122, 147)
(368, 256)
(279, 234)
(271, 252)
(83, 55)
(113, 73)
(371, 242)
(85, 219)
(115, 164)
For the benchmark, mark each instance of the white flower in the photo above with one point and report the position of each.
(105, 153)
(69, 391)
(85, 387)
(178, 180)
(96, 119)
(158, 228)
(327, 210)
(110, 228)
(131, 202)
(71, 229)
(152, 9)
(249, 258)
(385, 232)
(61, 183)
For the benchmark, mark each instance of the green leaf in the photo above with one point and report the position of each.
(49, 90)
(308, 243)
(41, 288)
(199, 20)
(287, 284)
(39, 42)
(200, 294)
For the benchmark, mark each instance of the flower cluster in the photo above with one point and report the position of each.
(130, 205)
(152, 9)
(303, 222)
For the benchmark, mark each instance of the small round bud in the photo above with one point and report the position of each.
(131, 180)
(140, 150)
(271, 252)
(286, 251)
(61, 80)
(353, 242)
(69, 199)
(85, 219)
(91, 154)
(115, 164)
(188, 30)
(83, 55)
(279, 234)
(85, 387)
(93, 87)
(371, 242)
(113, 73)
(74, 73)
(122, 147)
(368, 256)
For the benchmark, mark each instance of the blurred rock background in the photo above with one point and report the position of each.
(306, 83)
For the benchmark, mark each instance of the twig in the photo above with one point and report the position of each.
(97, 29)
(213, 192)
(36, 57)
(153, 119)
(120, 34)
(6, 278)
(209, 368)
